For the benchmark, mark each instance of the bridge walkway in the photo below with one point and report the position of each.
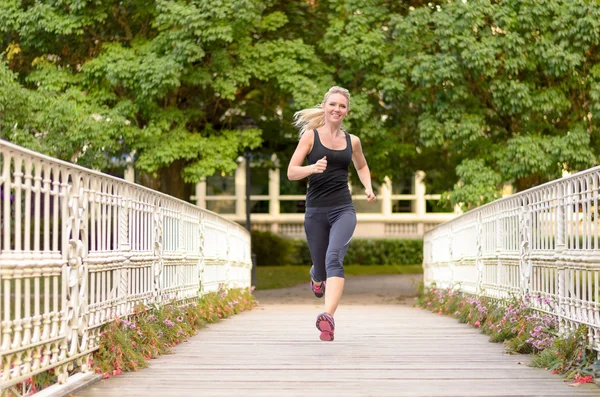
(383, 347)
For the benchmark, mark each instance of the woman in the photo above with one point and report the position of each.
(330, 219)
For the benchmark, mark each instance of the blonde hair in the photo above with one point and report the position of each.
(311, 118)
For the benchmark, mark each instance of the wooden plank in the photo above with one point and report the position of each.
(379, 350)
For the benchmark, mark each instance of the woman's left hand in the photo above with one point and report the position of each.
(370, 195)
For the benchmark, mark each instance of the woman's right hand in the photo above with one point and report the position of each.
(320, 165)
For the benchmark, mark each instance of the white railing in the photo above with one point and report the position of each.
(79, 248)
(543, 241)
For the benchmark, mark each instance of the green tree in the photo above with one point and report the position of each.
(503, 91)
(171, 83)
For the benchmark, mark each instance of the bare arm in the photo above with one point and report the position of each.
(362, 168)
(296, 170)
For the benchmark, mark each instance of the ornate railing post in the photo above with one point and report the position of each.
(75, 250)
(559, 249)
(450, 257)
(525, 246)
(157, 259)
(228, 243)
(594, 245)
(201, 236)
(125, 250)
(498, 234)
(479, 253)
(180, 276)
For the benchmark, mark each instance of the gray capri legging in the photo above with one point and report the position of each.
(328, 233)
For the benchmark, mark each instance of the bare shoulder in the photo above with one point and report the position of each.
(355, 141)
(306, 140)
(308, 136)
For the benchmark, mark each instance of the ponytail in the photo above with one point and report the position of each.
(309, 119)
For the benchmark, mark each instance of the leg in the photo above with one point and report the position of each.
(342, 228)
(316, 227)
(333, 294)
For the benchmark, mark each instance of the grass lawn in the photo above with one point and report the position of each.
(271, 277)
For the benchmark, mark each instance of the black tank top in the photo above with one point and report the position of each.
(331, 187)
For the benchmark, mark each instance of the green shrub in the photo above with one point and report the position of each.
(271, 249)
(384, 252)
(274, 250)
(301, 253)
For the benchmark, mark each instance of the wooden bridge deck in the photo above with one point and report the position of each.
(379, 350)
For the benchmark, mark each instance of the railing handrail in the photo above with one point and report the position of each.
(521, 193)
(90, 171)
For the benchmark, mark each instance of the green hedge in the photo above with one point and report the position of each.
(271, 249)
(274, 250)
(384, 252)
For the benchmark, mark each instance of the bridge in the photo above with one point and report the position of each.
(80, 248)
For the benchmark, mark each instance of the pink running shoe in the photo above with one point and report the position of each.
(326, 325)
(319, 290)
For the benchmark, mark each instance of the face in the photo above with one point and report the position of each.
(336, 108)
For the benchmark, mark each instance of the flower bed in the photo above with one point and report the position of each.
(521, 329)
(127, 344)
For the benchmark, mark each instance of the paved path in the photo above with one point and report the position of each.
(389, 349)
(363, 290)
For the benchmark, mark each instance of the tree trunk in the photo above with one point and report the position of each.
(169, 181)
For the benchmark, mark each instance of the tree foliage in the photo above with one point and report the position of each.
(477, 93)
(510, 85)
(171, 84)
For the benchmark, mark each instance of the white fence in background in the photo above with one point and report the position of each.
(79, 248)
(543, 241)
(376, 220)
